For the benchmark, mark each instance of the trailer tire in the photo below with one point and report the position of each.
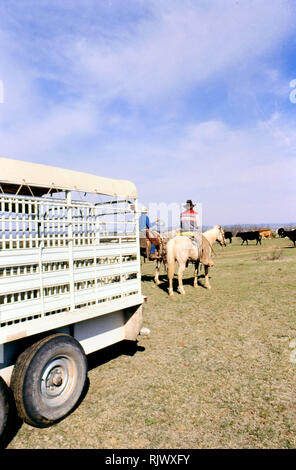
(48, 379)
(4, 411)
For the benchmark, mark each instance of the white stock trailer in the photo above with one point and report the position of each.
(70, 283)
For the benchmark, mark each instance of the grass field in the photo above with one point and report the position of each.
(216, 372)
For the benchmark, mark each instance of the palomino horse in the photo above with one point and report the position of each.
(181, 249)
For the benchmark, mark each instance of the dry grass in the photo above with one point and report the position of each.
(215, 372)
(273, 255)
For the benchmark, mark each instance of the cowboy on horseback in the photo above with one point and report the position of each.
(145, 223)
(190, 223)
(144, 228)
(190, 226)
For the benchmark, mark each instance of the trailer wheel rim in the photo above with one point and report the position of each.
(58, 380)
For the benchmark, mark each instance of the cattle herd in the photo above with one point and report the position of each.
(246, 236)
(263, 233)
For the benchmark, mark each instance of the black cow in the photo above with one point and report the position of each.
(288, 233)
(228, 236)
(245, 236)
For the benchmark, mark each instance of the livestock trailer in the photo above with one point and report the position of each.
(70, 282)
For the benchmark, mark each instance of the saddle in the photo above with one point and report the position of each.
(195, 237)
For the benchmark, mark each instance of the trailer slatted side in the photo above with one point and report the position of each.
(58, 255)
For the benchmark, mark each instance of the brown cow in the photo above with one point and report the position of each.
(265, 233)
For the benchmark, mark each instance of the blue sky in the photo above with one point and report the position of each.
(187, 99)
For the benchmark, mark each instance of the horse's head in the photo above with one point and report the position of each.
(220, 236)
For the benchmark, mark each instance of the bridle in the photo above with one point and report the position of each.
(223, 243)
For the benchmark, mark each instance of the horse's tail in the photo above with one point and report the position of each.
(163, 251)
(170, 259)
(206, 252)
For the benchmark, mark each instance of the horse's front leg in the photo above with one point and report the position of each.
(195, 282)
(207, 283)
(180, 278)
(148, 248)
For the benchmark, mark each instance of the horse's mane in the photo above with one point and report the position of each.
(216, 227)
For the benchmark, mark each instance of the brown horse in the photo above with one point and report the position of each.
(181, 249)
(160, 241)
(147, 241)
(145, 246)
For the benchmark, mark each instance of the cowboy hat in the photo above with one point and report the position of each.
(144, 210)
(189, 203)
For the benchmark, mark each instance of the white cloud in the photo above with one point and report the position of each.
(39, 140)
(241, 175)
(32, 126)
(178, 46)
(19, 96)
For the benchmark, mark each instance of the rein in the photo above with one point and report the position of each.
(214, 242)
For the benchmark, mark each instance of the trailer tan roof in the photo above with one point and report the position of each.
(41, 178)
